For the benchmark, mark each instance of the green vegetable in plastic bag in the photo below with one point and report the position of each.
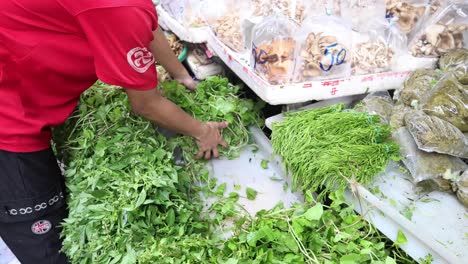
(378, 103)
(449, 101)
(418, 85)
(397, 120)
(456, 61)
(433, 134)
(423, 165)
(461, 187)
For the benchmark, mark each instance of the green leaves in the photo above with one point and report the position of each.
(141, 199)
(401, 239)
(264, 164)
(314, 213)
(215, 99)
(251, 193)
(130, 204)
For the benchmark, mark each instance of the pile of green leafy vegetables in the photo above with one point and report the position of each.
(130, 203)
(331, 147)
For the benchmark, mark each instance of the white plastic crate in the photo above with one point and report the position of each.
(316, 90)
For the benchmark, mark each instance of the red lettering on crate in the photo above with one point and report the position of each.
(333, 91)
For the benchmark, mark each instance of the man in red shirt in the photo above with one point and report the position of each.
(50, 52)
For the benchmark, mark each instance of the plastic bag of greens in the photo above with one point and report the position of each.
(460, 185)
(376, 50)
(226, 19)
(273, 49)
(423, 165)
(377, 103)
(446, 30)
(417, 86)
(456, 61)
(362, 12)
(323, 49)
(433, 134)
(448, 100)
(397, 119)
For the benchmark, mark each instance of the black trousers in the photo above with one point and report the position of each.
(32, 206)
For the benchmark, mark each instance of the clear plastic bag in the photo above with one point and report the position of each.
(362, 12)
(412, 14)
(294, 9)
(226, 19)
(433, 134)
(323, 49)
(423, 165)
(377, 103)
(446, 30)
(264, 8)
(261, 8)
(456, 61)
(448, 100)
(397, 120)
(418, 85)
(175, 8)
(273, 48)
(460, 185)
(192, 14)
(318, 8)
(377, 50)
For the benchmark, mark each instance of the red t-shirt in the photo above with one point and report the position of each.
(53, 50)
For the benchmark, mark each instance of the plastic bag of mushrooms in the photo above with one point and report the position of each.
(446, 30)
(294, 9)
(412, 13)
(323, 49)
(226, 19)
(361, 12)
(273, 48)
(377, 50)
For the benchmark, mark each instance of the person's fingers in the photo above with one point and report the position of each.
(224, 143)
(208, 154)
(215, 153)
(199, 155)
(221, 125)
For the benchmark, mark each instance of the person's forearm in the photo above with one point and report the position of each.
(164, 55)
(168, 115)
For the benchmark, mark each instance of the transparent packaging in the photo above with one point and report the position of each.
(456, 61)
(226, 19)
(377, 103)
(446, 30)
(448, 100)
(377, 50)
(273, 47)
(362, 12)
(323, 49)
(412, 14)
(424, 165)
(418, 86)
(433, 134)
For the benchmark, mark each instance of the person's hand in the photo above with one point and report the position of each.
(188, 82)
(209, 140)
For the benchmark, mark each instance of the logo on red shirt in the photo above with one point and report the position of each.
(140, 59)
(41, 227)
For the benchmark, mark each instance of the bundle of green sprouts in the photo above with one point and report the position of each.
(330, 147)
